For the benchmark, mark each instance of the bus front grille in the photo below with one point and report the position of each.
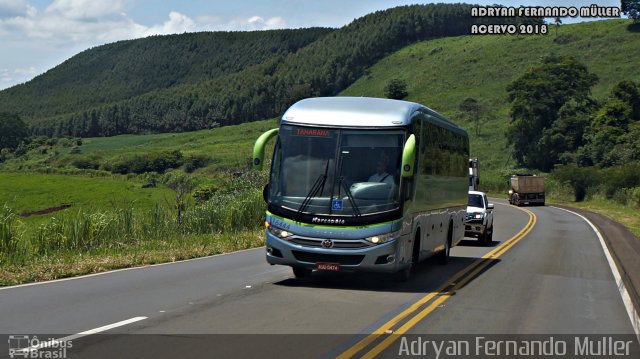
(339, 244)
(343, 259)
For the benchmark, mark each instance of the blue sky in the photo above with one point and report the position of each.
(36, 35)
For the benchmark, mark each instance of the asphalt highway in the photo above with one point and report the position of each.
(545, 274)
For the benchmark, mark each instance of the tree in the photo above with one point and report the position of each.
(537, 97)
(183, 185)
(628, 92)
(631, 8)
(578, 178)
(557, 21)
(12, 131)
(474, 111)
(613, 135)
(566, 134)
(396, 89)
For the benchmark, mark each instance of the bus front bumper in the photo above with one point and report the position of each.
(384, 257)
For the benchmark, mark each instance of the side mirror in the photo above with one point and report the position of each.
(490, 206)
(258, 148)
(409, 157)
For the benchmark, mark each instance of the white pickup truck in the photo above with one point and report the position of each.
(479, 218)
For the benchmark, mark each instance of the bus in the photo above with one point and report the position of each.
(363, 184)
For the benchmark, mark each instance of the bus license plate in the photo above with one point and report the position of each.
(328, 266)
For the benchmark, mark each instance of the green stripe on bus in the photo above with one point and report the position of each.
(331, 227)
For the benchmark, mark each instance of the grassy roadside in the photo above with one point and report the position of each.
(88, 240)
(627, 215)
(70, 264)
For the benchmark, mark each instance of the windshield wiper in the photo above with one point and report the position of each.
(342, 184)
(318, 187)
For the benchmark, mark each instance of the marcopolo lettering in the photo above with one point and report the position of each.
(336, 221)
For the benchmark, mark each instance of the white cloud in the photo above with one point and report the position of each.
(5, 77)
(177, 23)
(258, 23)
(68, 21)
(96, 22)
(242, 24)
(26, 71)
(85, 9)
(19, 75)
(276, 22)
(65, 26)
(12, 8)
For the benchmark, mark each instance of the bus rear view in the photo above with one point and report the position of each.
(342, 189)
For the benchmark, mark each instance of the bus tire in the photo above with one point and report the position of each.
(301, 272)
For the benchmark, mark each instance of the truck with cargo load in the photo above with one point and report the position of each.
(526, 189)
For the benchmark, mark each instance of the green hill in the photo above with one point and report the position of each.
(442, 73)
(126, 69)
(188, 82)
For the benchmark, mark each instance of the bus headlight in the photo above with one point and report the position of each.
(278, 232)
(383, 238)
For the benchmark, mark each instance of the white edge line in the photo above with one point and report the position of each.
(53, 342)
(626, 299)
(144, 266)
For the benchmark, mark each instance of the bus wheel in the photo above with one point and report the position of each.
(301, 272)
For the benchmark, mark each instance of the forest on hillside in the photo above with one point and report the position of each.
(126, 69)
(184, 84)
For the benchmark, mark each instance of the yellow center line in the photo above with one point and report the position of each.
(468, 273)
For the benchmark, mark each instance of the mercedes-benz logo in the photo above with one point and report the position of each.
(327, 243)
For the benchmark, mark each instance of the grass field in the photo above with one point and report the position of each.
(114, 222)
(227, 147)
(442, 73)
(26, 192)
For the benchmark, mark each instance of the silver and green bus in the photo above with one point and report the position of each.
(363, 184)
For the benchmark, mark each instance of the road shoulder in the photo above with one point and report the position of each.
(624, 247)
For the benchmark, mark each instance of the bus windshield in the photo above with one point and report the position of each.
(345, 172)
